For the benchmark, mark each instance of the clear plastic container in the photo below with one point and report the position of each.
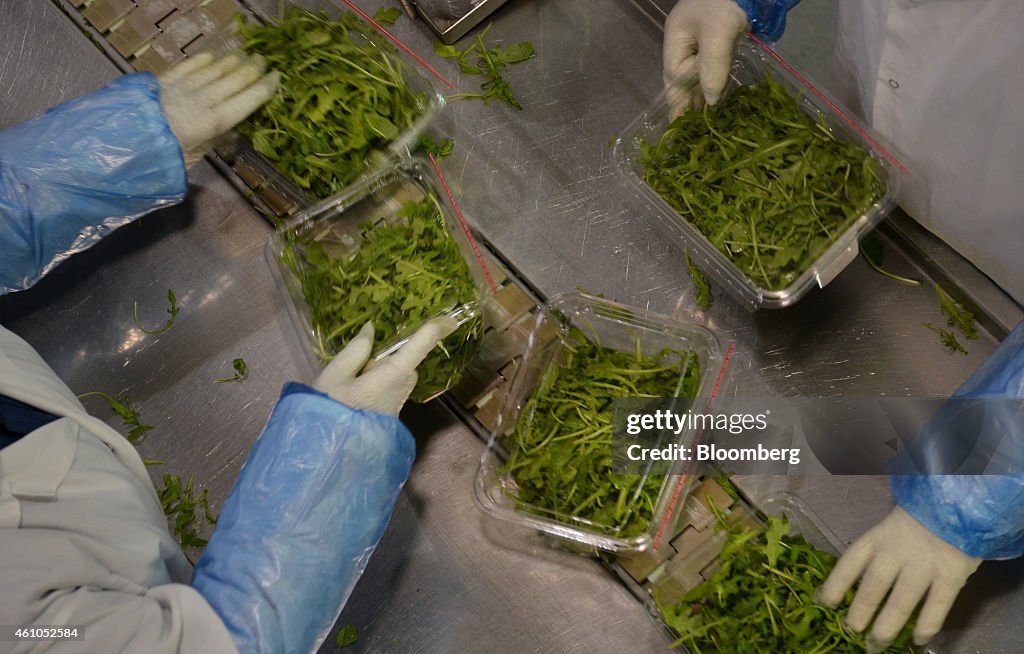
(337, 224)
(803, 522)
(234, 145)
(610, 325)
(751, 65)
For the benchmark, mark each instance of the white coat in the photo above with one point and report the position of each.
(943, 81)
(83, 540)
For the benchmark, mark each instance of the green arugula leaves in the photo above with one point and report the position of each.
(176, 498)
(761, 599)
(439, 150)
(490, 62)
(342, 96)
(561, 449)
(347, 635)
(241, 372)
(402, 274)
(766, 185)
(872, 250)
(700, 282)
(185, 510)
(122, 407)
(387, 16)
(172, 310)
(958, 317)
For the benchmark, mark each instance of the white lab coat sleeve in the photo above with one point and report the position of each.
(83, 540)
(81, 545)
(942, 83)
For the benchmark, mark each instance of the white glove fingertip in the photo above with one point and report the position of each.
(422, 342)
(257, 62)
(936, 607)
(849, 569)
(237, 108)
(207, 75)
(872, 646)
(229, 85)
(874, 586)
(187, 67)
(445, 325)
(715, 63)
(910, 587)
(344, 366)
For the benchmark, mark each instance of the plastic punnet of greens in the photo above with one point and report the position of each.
(769, 187)
(340, 99)
(761, 599)
(560, 451)
(403, 273)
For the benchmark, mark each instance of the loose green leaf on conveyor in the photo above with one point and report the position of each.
(700, 282)
(956, 314)
(185, 510)
(153, 462)
(439, 150)
(445, 50)
(122, 407)
(513, 54)
(579, 287)
(403, 273)
(241, 371)
(948, 337)
(560, 451)
(769, 187)
(387, 16)
(872, 250)
(761, 599)
(343, 98)
(490, 62)
(347, 635)
(172, 310)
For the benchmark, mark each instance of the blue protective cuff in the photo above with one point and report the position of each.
(81, 170)
(980, 431)
(301, 522)
(767, 17)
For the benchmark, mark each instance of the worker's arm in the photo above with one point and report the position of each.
(313, 499)
(83, 541)
(91, 165)
(959, 487)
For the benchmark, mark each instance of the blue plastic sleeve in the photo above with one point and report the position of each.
(767, 17)
(81, 170)
(299, 525)
(981, 513)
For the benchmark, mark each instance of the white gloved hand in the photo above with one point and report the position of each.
(203, 97)
(700, 44)
(901, 554)
(385, 386)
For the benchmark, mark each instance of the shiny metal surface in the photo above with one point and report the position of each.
(542, 187)
(35, 38)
